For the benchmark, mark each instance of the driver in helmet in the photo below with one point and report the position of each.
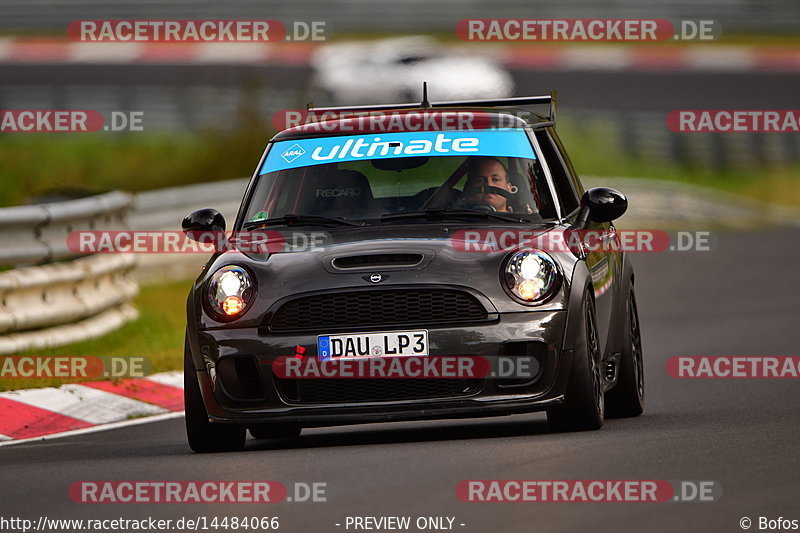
(488, 186)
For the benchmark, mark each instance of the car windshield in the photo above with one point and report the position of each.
(386, 178)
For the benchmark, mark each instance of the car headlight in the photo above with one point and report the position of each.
(230, 291)
(531, 276)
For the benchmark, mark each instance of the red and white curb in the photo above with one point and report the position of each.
(598, 56)
(27, 50)
(37, 414)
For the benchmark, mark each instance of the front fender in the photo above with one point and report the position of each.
(579, 287)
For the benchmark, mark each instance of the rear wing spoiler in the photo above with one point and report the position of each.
(510, 104)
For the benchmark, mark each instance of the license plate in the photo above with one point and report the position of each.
(388, 344)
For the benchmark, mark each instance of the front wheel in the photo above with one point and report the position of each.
(203, 436)
(627, 397)
(584, 404)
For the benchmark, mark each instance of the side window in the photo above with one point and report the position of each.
(573, 176)
(566, 185)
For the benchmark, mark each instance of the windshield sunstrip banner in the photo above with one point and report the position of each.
(305, 152)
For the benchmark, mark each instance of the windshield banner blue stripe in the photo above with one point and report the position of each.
(509, 142)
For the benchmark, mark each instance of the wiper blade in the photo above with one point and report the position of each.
(292, 219)
(455, 213)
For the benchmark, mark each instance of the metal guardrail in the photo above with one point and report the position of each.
(63, 293)
(18, 241)
(37, 234)
(67, 301)
(75, 299)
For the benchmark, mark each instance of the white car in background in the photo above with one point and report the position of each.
(392, 71)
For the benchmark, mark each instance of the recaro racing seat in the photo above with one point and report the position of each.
(341, 193)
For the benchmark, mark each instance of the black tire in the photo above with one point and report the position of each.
(203, 436)
(275, 431)
(626, 399)
(584, 403)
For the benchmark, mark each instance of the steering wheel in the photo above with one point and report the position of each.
(482, 207)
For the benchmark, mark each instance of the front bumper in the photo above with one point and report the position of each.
(231, 399)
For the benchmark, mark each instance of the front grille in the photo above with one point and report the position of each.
(371, 308)
(321, 390)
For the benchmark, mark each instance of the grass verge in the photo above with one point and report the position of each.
(89, 163)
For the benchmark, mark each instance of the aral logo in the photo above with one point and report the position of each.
(292, 153)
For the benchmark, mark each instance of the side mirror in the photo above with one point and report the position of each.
(201, 221)
(602, 204)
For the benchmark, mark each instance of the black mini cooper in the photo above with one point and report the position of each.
(377, 250)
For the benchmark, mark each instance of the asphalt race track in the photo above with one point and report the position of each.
(740, 299)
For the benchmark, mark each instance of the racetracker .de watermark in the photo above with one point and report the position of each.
(196, 31)
(177, 492)
(587, 490)
(72, 367)
(207, 491)
(160, 242)
(582, 241)
(386, 121)
(404, 367)
(588, 30)
(68, 121)
(733, 366)
(734, 120)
